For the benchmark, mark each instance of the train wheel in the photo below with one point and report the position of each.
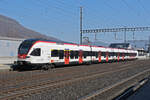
(52, 66)
(89, 63)
(48, 66)
(45, 67)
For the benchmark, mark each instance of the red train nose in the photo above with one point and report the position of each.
(22, 56)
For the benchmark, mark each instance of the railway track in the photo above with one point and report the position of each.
(18, 78)
(41, 75)
(96, 93)
(48, 84)
(47, 76)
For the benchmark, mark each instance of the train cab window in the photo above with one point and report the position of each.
(36, 52)
(61, 54)
(54, 53)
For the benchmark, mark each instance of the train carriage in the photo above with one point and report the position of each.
(46, 54)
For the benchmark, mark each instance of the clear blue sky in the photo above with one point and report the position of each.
(60, 18)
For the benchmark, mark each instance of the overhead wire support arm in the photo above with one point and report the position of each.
(116, 30)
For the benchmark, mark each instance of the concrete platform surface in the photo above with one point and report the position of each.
(7, 60)
(4, 66)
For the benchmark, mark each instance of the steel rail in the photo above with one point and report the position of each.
(34, 88)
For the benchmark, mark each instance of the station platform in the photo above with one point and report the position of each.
(6, 62)
(5, 66)
(142, 94)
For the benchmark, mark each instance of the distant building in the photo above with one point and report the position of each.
(120, 45)
(139, 44)
(9, 46)
(141, 52)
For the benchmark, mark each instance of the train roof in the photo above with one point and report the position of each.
(69, 43)
(56, 41)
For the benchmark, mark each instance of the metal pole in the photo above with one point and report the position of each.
(125, 35)
(149, 46)
(80, 25)
(134, 39)
(133, 36)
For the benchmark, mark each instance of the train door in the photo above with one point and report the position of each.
(107, 54)
(36, 56)
(99, 56)
(66, 52)
(118, 56)
(80, 57)
(122, 56)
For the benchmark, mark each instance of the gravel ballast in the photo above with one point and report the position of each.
(82, 88)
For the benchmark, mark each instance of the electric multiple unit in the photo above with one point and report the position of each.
(46, 53)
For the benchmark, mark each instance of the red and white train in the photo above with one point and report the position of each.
(46, 54)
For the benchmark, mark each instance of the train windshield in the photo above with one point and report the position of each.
(25, 46)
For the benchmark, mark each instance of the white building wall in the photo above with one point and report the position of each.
(9, 46)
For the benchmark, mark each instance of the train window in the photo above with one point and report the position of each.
(104, 54)
(125, 54)
(93, 53)
(76, 53)
(120, 55)
(116, 54)
(85, 54)
(96, 54)
(54, 53)
(113, 53)
(25, 46)
(88, 53)
(61, 54)
(110, 54)
(72, 54)
(36, 52)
